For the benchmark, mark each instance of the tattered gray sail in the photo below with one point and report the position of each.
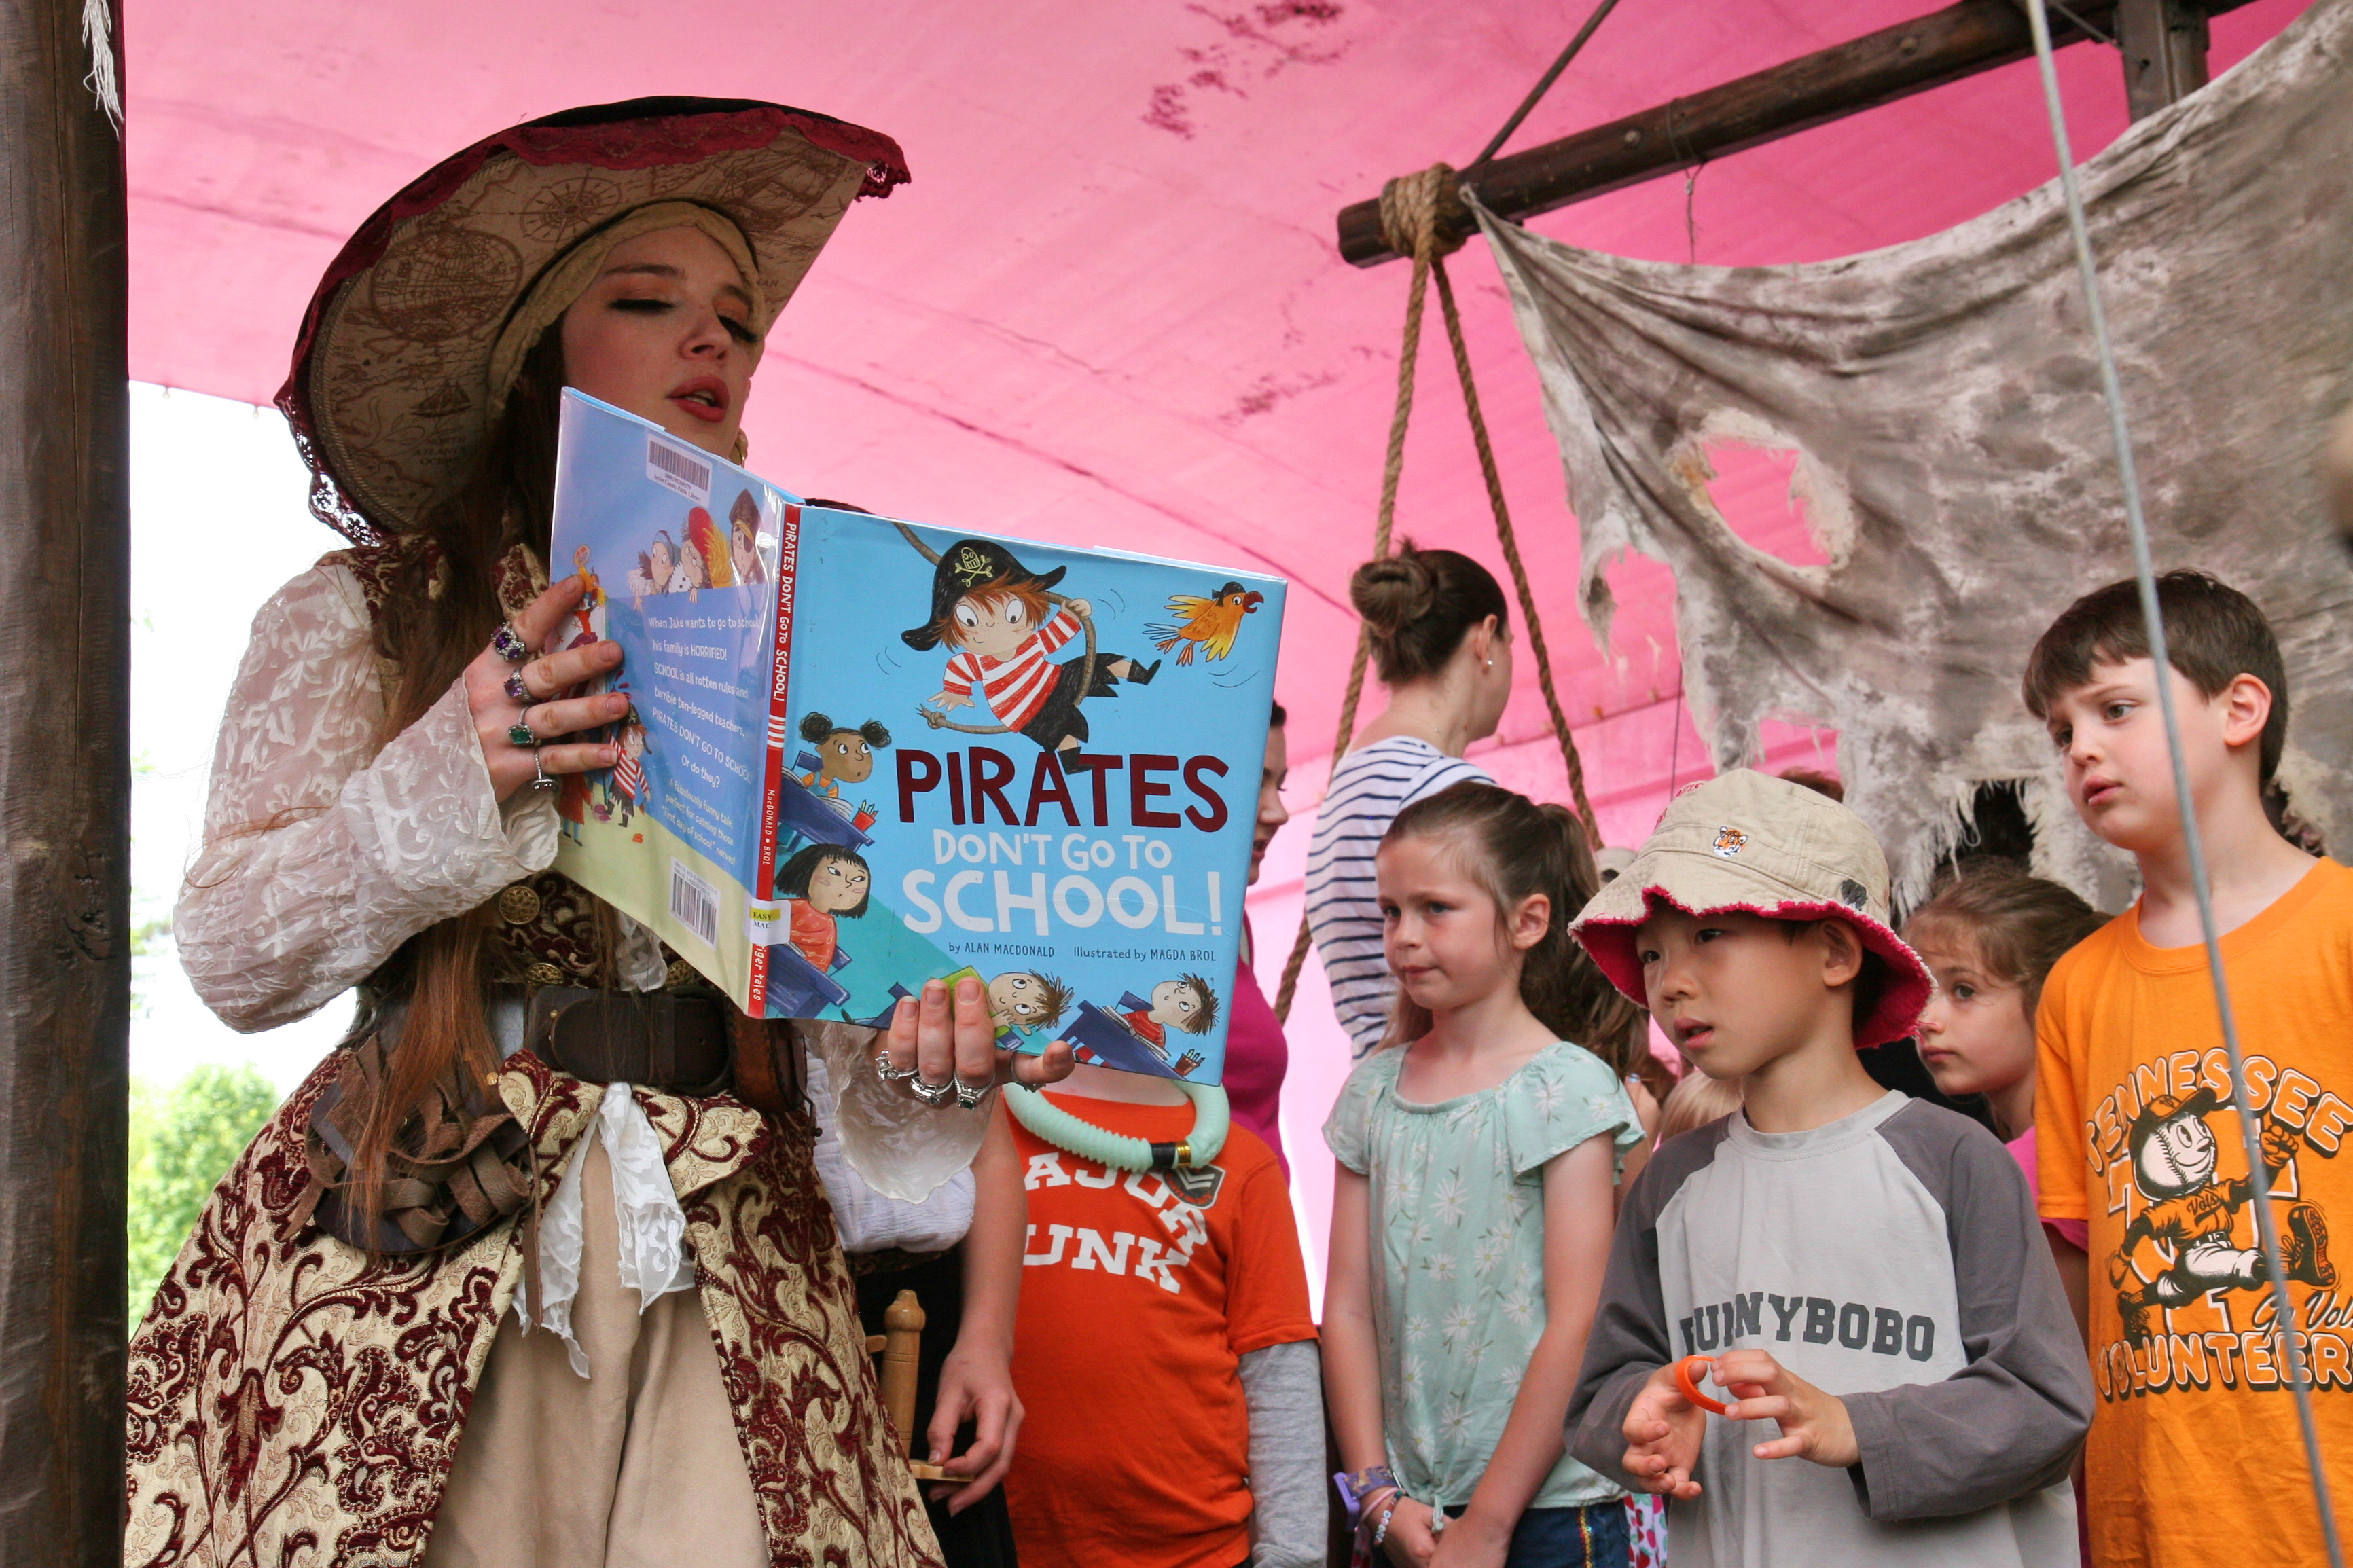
(1956, 460)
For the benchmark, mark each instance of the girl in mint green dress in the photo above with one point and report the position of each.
(1472, 1209)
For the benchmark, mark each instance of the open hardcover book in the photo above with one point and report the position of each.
(863, 754)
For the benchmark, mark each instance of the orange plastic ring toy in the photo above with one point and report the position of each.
(1687, 1383)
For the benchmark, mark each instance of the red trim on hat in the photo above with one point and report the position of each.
(615, 144)
(1909, 984)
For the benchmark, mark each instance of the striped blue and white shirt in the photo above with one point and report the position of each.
(1368, 788)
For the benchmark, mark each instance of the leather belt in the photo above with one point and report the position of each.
(660, 1041)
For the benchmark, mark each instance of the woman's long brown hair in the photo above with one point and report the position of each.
(439, 615)
(1513, 849)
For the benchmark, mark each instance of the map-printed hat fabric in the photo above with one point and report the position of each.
(391, 392)
(1748, 841)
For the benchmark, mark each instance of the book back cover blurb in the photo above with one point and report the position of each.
(881, 752)
(681, 550)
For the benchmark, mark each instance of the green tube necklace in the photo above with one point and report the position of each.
(1212, 1117)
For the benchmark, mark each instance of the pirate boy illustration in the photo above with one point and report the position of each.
(2196, 1217)
(994, 616)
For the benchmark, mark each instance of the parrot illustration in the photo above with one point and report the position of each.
(1210, 624)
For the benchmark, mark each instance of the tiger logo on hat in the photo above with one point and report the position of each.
(1729, 842)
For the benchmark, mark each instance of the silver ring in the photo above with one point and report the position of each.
(516, 691)
(890, 1071)
(934, 1094)
(543, 783)
(509, 646)
(969, 1095)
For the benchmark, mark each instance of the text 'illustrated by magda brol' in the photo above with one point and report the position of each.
(863, 754)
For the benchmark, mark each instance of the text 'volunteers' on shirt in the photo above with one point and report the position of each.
(1139, 1301)
(2196, 1454)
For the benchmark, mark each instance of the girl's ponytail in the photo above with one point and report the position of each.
(1521, 848)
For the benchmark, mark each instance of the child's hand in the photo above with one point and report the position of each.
(1409, 1543)
(1079, 607)
(1662, 1433)
(976, 1385)
(1814, 1425)
(1472, 1540)
(947, 701)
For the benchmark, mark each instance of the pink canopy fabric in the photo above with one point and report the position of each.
(1108, 310)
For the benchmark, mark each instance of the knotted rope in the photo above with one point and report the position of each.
(1423, 217)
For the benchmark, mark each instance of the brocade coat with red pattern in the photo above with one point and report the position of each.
(294, 1402)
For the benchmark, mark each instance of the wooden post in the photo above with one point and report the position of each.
(2163, 45)
(1879, 68)
(65, 778)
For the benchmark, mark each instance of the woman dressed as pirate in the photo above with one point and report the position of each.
(535, 1268)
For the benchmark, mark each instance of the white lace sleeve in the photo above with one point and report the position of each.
(321, 853)
(900, 1148)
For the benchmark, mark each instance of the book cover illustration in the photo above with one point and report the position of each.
(863, 754)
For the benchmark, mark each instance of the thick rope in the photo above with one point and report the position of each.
(2259, 1181)
(1412, 207)
(1511, 543)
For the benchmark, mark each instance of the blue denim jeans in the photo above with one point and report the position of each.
(1593, 1536)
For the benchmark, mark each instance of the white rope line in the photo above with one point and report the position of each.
(2145, 570)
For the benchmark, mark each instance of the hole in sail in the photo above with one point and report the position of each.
(1754, 488)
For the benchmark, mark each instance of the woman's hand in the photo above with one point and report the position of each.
(976, 1385)
(943, 1043)
(1409, 1543)
(549, 715)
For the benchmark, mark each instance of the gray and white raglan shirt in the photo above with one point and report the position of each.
(1893, 1258)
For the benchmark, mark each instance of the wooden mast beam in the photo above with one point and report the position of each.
(65, 788)
(1946, 46)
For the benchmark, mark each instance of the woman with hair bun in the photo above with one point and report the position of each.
(1441, 635)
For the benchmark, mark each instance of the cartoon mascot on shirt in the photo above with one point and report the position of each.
(2174, 1154)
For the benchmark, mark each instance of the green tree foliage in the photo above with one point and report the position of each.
(184, 1138)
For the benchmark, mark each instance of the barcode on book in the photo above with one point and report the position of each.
(668, 466)
(694, 904)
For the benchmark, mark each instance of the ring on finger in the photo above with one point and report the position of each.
(890, 1071)
(516, 691)
(520, 733)
(539, 763)
(509, 645)
(970, 1095)
(934, 1094)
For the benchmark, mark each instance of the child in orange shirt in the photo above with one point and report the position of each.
(2195, 1455)
(1163, 1346)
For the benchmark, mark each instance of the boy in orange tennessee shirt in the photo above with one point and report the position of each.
(2195, 1455)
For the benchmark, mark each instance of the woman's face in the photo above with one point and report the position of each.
(1491, 677)
(665, 332)
(1272, 813)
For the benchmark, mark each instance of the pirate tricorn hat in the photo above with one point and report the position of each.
(964, 566)
(411, 342)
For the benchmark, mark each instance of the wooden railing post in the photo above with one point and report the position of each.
(65, 778)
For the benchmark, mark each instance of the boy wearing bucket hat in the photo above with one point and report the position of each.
(1862, 1268)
